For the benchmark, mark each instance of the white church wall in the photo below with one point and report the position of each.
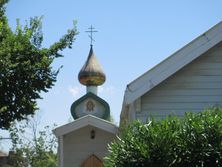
(79, 145)
(195, 87)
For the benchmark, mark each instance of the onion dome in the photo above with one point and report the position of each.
(91, 73)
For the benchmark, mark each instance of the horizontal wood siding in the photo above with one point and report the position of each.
(194, 88)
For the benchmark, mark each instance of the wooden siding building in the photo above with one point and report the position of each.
(188, 80)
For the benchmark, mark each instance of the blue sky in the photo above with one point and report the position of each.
(133, 36)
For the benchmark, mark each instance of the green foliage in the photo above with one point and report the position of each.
(33, 147)
(25, 67)
(194, 141)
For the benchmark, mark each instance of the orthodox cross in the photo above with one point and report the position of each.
(91, 31)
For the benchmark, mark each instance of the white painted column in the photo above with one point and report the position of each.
(92, 89)
(61, 155)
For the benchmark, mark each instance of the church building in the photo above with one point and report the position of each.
(190, 80)
(84, 142)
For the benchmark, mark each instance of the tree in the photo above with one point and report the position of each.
(195, 141)
(31, 146)
(25, 67)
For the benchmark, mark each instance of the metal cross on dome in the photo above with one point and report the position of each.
(91, 31)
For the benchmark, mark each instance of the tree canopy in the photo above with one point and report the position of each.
(25, 66)
(32, 145)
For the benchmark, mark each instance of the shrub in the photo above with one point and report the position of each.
(194, 141)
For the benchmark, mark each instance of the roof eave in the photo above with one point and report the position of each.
(85, 121)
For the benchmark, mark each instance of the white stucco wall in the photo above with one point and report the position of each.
(195, 87)
(78, 145)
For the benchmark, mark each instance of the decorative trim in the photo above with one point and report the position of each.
(85, 121)
(138, 105)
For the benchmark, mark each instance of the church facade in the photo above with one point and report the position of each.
(84, 142)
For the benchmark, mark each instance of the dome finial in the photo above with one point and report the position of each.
(91, 73)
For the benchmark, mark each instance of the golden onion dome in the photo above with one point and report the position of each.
(91, 73)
